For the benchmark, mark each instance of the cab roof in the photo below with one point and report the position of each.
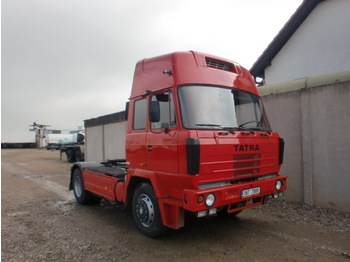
(181, 68)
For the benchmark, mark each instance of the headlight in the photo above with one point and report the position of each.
(278, 185)
(210, 200)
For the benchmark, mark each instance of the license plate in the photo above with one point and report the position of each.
(250, 192)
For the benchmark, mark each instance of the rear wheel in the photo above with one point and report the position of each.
(146, 211)
(78, 155)
(82, 196)
(70, 155)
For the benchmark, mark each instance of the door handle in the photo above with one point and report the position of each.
(149, 148)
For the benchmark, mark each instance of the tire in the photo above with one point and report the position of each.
(77, 154)
(81, 195)
(146, 212)
(70, 155)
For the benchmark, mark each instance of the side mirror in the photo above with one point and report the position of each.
(154, 111)
(162, 97)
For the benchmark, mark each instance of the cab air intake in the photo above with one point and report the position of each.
(219, 65)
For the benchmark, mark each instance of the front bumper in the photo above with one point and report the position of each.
(231, 195)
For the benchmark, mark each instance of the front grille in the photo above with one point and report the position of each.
(246, 156)
(219, 64)
(246, 164)
(246, 172)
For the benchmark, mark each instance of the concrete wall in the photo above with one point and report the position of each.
(104, 142)
(94, 143)
(319, 46)
(315, 123)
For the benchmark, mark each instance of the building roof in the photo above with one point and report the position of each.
(305, 83)
(282, 37)
(106, 119)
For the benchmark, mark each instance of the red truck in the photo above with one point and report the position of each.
(198, 140)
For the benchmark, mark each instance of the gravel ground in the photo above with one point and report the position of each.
(42, 222)
(336, 220)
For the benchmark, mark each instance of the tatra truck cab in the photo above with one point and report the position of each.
(198, 140)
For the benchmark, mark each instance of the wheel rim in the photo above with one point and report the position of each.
(78, 186)
(145, 210)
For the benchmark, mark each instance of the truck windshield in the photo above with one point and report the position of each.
(214, 107)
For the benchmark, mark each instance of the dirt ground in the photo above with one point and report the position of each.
(40, 221)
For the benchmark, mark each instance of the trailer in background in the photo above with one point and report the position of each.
(74, 153)
(70, 144)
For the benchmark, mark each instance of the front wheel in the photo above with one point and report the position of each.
(146, 211)
(82, 196)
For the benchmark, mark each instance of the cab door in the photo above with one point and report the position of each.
(162, 138)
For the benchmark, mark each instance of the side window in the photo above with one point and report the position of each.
(140, 114)
(166, 118)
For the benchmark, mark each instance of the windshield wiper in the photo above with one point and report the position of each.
(232, 129)
(240, 128)
(208, 125)
(266, 129)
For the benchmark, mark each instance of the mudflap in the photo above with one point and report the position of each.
(173, 215)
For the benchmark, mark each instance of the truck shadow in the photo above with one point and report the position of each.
(211, 227)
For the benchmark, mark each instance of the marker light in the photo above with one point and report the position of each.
(200, 199)
(202, 213)
(212, 211)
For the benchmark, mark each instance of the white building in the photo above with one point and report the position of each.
(315, 41)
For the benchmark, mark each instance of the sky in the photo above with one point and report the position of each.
(65, 61)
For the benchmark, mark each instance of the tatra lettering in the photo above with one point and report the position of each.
(245, 148)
